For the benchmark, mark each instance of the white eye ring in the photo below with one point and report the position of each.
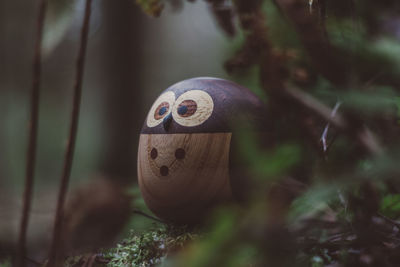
(203, 108)
(154, 119)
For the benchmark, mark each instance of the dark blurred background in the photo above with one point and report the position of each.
(326, 194)
(131, 58)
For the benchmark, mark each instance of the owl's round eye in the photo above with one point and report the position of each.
(187, 108)
(193, 108)
(160, 109)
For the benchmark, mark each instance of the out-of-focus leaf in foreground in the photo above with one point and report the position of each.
(390, 205)
(265, 163)
(220, 248)
(312, 202)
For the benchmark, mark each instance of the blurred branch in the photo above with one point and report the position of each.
(223, 13)
(273, 73)
(328, 61)
(395, 223)
(309, 102)
(54, 251)
(33, 130)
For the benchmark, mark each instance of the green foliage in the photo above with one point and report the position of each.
(312, 206)
(374, 58)
(390, 206)
(219, 247)
(335, 207)
(397, 103)
(317, 261)
(5, 263)
(279, 160)
(315, 200)
(250, 81)
(144, 250)
(281, 32)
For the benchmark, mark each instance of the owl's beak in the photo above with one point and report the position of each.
(167, 121)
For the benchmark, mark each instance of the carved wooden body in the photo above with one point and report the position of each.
(181, 186)
(185, 147)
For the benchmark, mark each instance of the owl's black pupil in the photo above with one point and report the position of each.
(162, 111)
(182, 110)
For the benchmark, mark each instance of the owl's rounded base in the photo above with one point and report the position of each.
(187, 176)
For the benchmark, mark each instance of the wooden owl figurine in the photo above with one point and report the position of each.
(184, 157)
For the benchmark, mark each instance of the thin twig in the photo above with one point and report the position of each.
(311, 103)
(326, 130)
(32, 142)
(363, 135)
(147, 216)
(397, 224)
(54, 251)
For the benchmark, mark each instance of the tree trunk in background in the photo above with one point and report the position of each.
(17, 24)
(122, 95)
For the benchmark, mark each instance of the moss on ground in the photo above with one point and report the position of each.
(140, 249)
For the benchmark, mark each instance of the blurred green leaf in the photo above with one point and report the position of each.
(210, 251)
(249, 80)
(281, 32)
(5, 263)
(373, 58)
(390, 205)
(151, 7)
(312, 202)
(397, 103)
(264, 163)
(317, 261)
(375, 100)
(243, 256)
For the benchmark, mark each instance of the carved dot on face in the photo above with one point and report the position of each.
(164, 170)
(153, 153)
(180, 153)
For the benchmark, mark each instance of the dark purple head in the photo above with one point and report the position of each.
(202, 105)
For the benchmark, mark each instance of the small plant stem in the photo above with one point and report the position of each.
(32, 142)
(148, 216)
(80, 64)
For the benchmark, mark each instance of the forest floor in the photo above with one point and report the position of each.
(324, 242)
(147, 248)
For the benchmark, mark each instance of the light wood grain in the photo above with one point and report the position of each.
(195, 183)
